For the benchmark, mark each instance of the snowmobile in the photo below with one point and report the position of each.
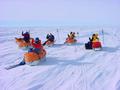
(88, 45)
(32, 58)
(22, 44)
(93, 45)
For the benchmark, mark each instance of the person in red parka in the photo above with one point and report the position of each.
(37, 46)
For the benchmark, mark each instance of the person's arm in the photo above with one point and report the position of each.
(41, 46)
(32, 42)
(90, 39)
(22, 33)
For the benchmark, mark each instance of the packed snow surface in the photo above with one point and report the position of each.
(67, 67)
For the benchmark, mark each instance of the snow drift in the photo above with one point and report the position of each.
(67, 67)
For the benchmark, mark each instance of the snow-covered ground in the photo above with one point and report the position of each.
(66, 67)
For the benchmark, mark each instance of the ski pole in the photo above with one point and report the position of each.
(58, 34)
(77, 37)
(103, 35)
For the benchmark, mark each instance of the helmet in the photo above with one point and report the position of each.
(36, 39)
(27, 33)
(93, 35)
(73, 32)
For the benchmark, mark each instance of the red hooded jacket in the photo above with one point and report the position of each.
(36, 45)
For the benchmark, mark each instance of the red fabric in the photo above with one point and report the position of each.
(96, 44)
(36, 45)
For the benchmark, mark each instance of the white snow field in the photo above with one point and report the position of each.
(66, 67)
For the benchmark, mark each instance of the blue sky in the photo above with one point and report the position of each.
(60, 13)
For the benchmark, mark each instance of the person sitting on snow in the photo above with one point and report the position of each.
(26, 36)
(37, 46)
(50, 37)
(72, 35)
(94, 38)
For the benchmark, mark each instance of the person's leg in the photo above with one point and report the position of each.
(26, 40)
(36, 50)
(30, 50)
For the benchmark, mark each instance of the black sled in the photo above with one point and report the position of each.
(88, 45)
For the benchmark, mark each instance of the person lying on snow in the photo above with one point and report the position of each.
(26, 36)
(50, 37)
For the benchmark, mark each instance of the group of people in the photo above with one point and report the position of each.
(94, 38)
(36, 43)
(37, 46)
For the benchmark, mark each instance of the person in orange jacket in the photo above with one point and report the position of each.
(37, 46)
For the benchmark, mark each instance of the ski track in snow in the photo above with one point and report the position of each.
(68, 67)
